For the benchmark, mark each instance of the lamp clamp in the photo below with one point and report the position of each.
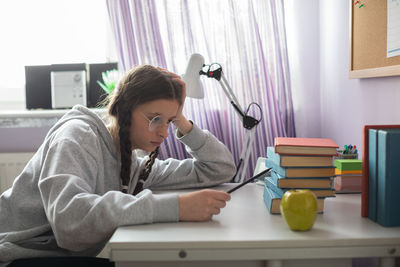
(249, 122)
(212, 73)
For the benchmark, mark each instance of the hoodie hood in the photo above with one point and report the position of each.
(79, 112)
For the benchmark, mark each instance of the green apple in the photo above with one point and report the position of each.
(299, 208)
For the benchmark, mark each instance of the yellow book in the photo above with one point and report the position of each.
(339, 172)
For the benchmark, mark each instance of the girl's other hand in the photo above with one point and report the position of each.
(201, 205)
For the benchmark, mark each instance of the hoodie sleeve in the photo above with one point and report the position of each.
(212, 164)
(80, 217)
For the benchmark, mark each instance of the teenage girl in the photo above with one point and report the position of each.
(85, 179)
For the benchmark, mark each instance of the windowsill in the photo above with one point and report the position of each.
(40, 113)
(34, 118)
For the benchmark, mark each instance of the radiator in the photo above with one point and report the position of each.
(11, 165)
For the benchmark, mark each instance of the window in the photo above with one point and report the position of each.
(44, 32)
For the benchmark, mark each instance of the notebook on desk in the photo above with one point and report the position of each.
(260, 166)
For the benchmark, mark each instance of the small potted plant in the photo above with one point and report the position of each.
(110, 80)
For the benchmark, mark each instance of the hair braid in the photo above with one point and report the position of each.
(146, 171)
(124, 120)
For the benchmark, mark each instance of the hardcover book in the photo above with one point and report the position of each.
(372, 170)
(299, 161)
(284, 182)
(273, 201)
(319, 192)
(292, 172)
(365, 164)
(305, 146)
(388, 177)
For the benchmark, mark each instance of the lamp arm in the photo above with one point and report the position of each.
(231, 98)
(218, 74)
(248, 121)
(229, 93)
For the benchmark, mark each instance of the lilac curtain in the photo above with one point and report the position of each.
(247, 38)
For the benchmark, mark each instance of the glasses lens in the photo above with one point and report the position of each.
(156, 123)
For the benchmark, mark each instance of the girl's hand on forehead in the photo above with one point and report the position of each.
(178, 79)
(183, 125)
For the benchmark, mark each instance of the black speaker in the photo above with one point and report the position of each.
(68, 67)
(38, 87)
(38, 83)
(95, 93)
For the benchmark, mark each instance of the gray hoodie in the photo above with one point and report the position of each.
(68, 200)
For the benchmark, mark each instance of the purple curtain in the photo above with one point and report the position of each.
(247, 38)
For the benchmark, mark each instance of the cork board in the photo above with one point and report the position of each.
(368, 37)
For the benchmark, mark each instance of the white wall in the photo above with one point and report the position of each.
(302, 27)
(344, 104)
(348, 104)
(45, 32)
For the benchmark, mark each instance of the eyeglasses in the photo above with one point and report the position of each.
(157, 122)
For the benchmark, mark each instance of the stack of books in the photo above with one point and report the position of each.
(299, 163)
(348, 175)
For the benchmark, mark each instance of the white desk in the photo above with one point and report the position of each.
(245, 231)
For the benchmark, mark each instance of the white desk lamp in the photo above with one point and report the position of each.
(194, 89)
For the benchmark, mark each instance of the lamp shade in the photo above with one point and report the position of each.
(191, 77)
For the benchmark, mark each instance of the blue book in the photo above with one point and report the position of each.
(307, 182)
(299, 161)
(372, 169)
(388, 178)
(272, 200)
(291, 172)
(319, 192)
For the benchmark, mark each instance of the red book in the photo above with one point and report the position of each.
(365, 165)
(305, 146)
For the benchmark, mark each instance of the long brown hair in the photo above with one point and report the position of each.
(138, 86)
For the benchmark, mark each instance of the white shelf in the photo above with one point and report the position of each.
(34, 118)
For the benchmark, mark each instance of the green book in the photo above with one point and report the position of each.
(348, 164)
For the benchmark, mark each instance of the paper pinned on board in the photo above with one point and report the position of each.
(393, 28)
